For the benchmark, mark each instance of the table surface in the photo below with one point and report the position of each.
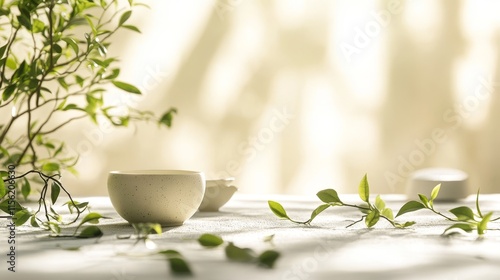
(324, 250)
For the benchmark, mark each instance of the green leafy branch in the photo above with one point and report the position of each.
(52, 75)
(234, 253)
(464, 217)
(52, 221)
(372, 212)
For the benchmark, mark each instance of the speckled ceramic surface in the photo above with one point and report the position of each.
(168, 197)
(217, 193)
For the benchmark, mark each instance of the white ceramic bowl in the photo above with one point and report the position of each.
(453, 182)
(167, 197)
(217, 193)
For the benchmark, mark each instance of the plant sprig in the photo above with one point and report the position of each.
(371, 212)
(52, 220)
(464, 217)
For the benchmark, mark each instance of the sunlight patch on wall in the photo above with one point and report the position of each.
(187, 145)
(474, 72)
(290, 13)
(356, 44)
(423, 18)
(162, 44)
(234, 63)
(322, 120)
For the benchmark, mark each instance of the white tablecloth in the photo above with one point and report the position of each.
(324, 250)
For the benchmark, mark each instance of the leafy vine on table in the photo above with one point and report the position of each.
(464, 217)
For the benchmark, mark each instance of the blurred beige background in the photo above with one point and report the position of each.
(296, 96)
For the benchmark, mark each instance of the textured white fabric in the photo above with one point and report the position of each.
(324, 250)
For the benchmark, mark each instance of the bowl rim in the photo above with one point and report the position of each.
(149, 172)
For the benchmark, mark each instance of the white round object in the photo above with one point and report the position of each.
(453, 183)
(167, 197)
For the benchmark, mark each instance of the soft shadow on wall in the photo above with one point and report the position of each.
(297, 96)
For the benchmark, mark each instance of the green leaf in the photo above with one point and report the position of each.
(364, 208)
(7, 93)
(71, 107)
(54, 192)
(477, 205)
(11, 63)
(90, 231)
(114, 74)
(178, 264)
(167, 117)
(410, 206)
(379, 203)
(268, 258)
(462, 226)
(25, 188)
(2, 50)
(482, 226)
(405, 225)
(38, 26)
(50, 167)
(71, 43)
(79, 80)
(91, 24)
(131, 27)
(463, 213)
(329, 196)
(372, 218)
(3, 190)
(54, 228)
(21, 217)
(125, 16)
(235, 253)
(210, 240)
(56, 48)
(92, 217)
(435, 192)
(6, 207)
(144, 229)
(318, 210)
(72, 205)
(33, 221)
(24, 20)
(126, 87)
(102, 50)
(364, 189)
(387, 212)
(424, 199)
(277, 209)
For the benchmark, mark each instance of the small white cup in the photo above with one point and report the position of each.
(167, 197)
(453, 183)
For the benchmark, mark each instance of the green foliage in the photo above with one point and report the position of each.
(464, 217)
(278, 209)
(364, 189)
(178, 264)
(210, 240)
(373, 212)
(234, 253)
(61, 75)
